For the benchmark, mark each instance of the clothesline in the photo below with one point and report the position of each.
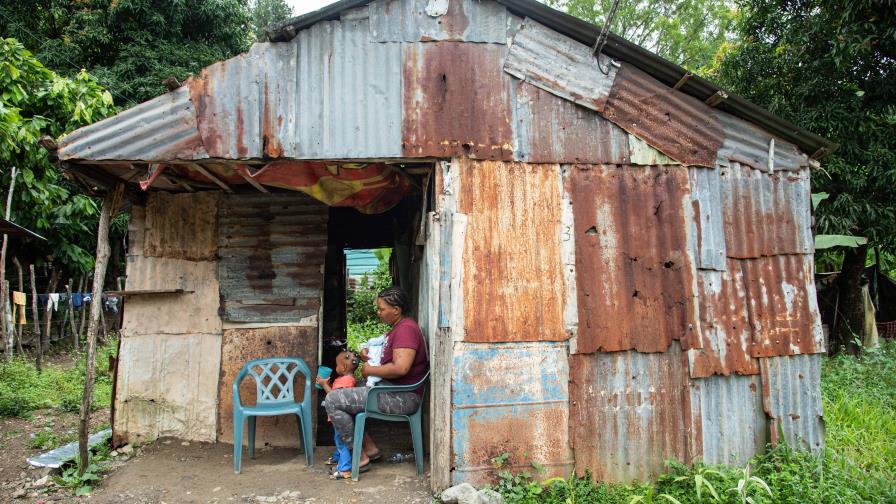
(20, 302)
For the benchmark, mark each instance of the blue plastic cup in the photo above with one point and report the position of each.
(323, 372)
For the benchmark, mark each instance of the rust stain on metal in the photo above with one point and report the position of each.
(676, 124)
(725, 328)
(181, 226)
(271, 144)
(242, 345)
(513, 268)
(456, 101)
(634, 263)
(455, 21)
(630, 412)
(202, 95)
(765, 214)
(783, 306)
(549, 129)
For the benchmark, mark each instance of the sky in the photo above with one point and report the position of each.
(300, 7)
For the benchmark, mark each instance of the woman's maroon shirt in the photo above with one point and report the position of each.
(406, 334)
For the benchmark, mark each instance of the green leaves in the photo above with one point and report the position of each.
(829, 241)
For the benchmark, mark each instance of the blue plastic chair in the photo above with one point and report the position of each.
(275, 396)
(372, 410)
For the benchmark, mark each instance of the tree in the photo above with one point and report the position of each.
(267, 12)
(828, 65)
(686, 32)
(130, 46)
(34, 102)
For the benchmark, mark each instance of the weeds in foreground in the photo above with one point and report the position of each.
(83, 484)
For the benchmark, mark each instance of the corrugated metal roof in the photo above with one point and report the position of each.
(750, 145)
(783, 305)
(676, 124)
(707, 230)
(457, 101)
(636, 290)
(791, 396)
(12, 229)
(509, 398)
(733, 425)
(465, 20)
(559, 65)
(630, 412)
(725, 328)
(766, 214)
(548, 129)
(160, 129)
(271, 249)
(513, 237)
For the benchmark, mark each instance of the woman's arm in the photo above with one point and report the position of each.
(402, 359)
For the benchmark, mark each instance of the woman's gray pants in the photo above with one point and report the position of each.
(342, 405)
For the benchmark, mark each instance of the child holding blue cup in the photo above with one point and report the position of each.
(346, 364)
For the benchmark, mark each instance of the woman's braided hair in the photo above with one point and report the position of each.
(397, 297)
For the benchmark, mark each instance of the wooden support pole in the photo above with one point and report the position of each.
(717, 98)
(76, 340)
(48, 312)
(684, 78)
(254, 183)
(83, 317)
(19, 327)
(210, 176)
(38, 363)
(7, 335)
(110, 205)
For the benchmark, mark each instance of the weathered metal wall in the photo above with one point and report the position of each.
(513, 274)
(456, 101)
(765, 214)
(750, 145)
(630, 412)
(242, 345)
(272, 250)
(732, 425)
(182, 226)
(635, 274)
(707, 230)
(791, 397)
(509, 398)
(171, 343)
(462, 20)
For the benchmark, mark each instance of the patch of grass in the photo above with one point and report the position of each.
(23, 389)
(43, 439)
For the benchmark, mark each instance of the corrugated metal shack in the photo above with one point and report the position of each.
(611, 270)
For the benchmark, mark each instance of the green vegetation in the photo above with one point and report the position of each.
(23, 389)
(361, 318)
(859, 463)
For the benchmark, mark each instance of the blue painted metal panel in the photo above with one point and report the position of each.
(359, 262)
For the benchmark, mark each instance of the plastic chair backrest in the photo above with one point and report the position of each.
(372, 405)
(274, 379)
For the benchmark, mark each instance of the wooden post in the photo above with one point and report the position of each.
(48, 313)
(71, 315)
(110, 204)
(7, 337)
(37, 336)
(21, 289)
(83, 308)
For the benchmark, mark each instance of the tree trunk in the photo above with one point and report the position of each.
(71, 315)
(38, 363)
(19, 327)
(83, 316)
(849, 330)
(7, 335)
(48, 313)
(110, 203)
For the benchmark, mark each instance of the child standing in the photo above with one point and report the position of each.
(346, 364)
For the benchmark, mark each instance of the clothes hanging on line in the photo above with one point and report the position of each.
(54, 301)
(18, 305)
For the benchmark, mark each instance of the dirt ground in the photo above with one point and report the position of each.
(173, 471)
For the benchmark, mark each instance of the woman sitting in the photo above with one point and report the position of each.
(404, 362)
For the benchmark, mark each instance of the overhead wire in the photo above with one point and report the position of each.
(601, 40)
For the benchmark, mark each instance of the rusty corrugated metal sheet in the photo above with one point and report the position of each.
(766, 214)
(160, 129)
(630, 412)
(465, 20)
(791, 396)
(634, 264)
(725, 328)
(242, 345)
(676, 124)
(549, 129)
(559, 65)
(509, 398)
(733, 424)
(328, 93)
(708, 232)
(272, 249)
(749, 144)
(783, 305)
(182, 226)
(513, 268)
(456, 101)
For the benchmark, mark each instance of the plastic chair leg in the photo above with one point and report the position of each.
(237, 440)
(417, 438)
(251, 437)
(357, 444)
(304, 419)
